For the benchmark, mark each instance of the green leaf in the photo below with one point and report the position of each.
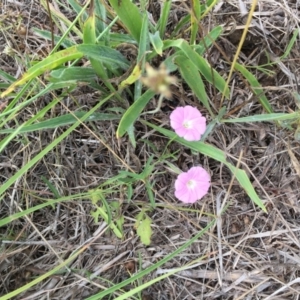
(96, 195)
(195, 18)
(51, 187)
(149, 189)
(180, 25)
(208, 40)
(291, 44)
(142, 49)
(120, 223)
(164, 16)
(156, 42)
(89, 31)
(77, 8)
(192, 77)
(65, 263)
(105, 55)
(101, 20)
(207, 7)
(256, 87)
(143, 228)
(66, 43)
(132, 78)
(7, 77)
(106, 216)
(73, 73)
(100, 56)
(201, 64)
(264, 117)
(133, 112)
(130, 15)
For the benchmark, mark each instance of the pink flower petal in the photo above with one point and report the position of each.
(188, 123)
(192, 185)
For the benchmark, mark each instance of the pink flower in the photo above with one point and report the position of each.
(188, 122)
(192, 185)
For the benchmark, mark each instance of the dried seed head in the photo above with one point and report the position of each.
(159, 80)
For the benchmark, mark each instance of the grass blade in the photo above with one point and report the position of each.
(203, 66)
(164, 16)
(192, 77)
(63, 121)
(264, 117)
(256, 87)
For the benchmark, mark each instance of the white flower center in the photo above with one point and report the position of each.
(191, 184)
(187, 124)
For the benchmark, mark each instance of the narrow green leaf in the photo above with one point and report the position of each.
(195, 18)
(28, 211)
(192, 77)
(51, 187)
(179, 27)
(89, 32)
(13, 108)
(203, 66)
(133, 112)
(130, 15)
(207, 7)
(66, 43)
(256, 87)
(291, 44)
(132, 78)
(73, 73)
(100, 56)
(143, 228)
(156, 42)
(164, 16)
(141, 58)
(7, 77)
(149, 189)
(42, 277)
(264, 117)
(60, 18)
(77, 8)
(105, 55)
(101, 20)
(63, 121)
(208, 40)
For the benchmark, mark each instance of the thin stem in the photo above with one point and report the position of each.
(159, 103)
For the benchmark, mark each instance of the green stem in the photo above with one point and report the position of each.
(161, 97)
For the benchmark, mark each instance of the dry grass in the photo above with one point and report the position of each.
(247, 255)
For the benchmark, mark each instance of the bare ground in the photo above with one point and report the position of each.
(247, 255)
